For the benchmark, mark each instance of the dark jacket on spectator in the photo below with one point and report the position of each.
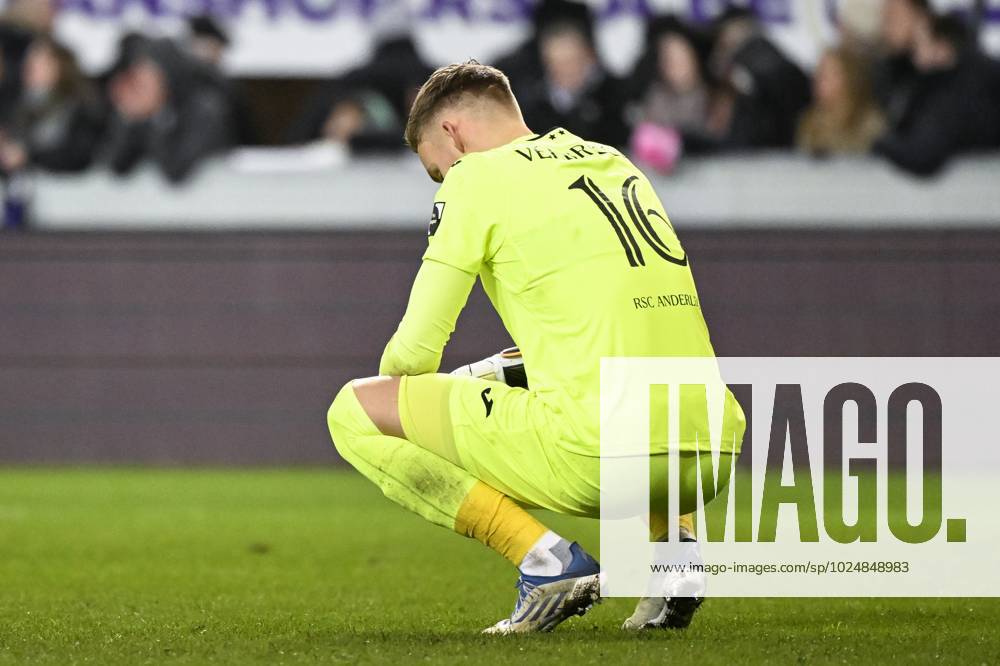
(771, 91)
(14, 42)
(195, 123)
(60, 133)
(894, 80)
(953, 111)
(597, 114)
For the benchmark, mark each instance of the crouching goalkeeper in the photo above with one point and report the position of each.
(578, 257)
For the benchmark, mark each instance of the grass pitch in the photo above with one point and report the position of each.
(138, 566)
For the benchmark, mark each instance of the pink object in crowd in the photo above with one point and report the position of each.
(657, 146)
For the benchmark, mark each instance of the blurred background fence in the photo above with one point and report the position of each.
(227, 348)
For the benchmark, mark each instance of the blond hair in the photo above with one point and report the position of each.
(448, 85)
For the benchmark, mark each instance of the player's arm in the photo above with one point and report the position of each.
(460, 238)
(439, 293)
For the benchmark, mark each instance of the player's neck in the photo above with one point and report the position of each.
(498, 133)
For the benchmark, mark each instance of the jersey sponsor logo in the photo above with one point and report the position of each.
(436, 216)
(487, 401)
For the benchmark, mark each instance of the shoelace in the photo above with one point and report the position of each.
(524, 588)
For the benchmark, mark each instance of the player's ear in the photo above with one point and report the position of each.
(451, 130)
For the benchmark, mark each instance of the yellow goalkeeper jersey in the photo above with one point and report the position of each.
(581, 262)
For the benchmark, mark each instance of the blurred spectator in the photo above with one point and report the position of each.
(20, 22)
(574, 91)
(763, 92)
(208, 42)
(955, 102)
(168, 108)
(843, 117)
(523, 64)
(362, 119)
(859, 23)
(130, 45)
(57, 121)
(673, 84)
(366, 108)
(895, 77)
(11, 52)
(34, 16)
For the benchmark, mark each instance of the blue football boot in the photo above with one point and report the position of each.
(543, 602)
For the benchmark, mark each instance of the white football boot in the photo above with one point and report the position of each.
(683, 594)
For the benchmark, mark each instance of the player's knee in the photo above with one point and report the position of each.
(347, 422)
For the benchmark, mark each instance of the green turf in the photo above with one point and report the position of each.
(138, 566)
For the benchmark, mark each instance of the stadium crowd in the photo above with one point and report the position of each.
(917, 93)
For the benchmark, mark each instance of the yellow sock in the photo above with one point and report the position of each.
(498, 522)
(686, 522)
(658, 525)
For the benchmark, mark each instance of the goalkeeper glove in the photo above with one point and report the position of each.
(506, 367)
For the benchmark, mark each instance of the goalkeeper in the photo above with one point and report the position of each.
(576, 254)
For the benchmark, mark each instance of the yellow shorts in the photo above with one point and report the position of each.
(509, 439)
(501, 435)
